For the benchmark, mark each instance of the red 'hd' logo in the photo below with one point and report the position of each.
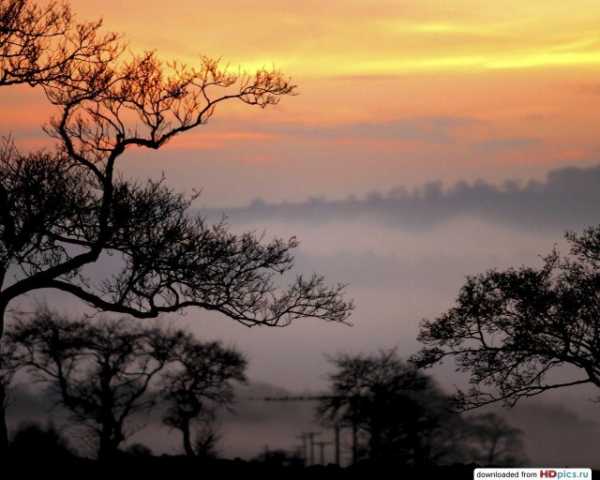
(547, 473)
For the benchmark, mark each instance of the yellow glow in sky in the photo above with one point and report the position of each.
(353, 37)
(391, 91)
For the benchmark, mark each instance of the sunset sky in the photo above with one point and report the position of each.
(393, 95)
(390, 92)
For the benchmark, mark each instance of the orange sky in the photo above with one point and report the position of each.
(391, 92)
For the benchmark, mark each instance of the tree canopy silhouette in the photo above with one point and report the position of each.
(514, 330)
(493, 442)
(399, 411)
(198, 382)
(61, 211)
(101, 372)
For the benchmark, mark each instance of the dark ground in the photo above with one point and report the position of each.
(173, 467)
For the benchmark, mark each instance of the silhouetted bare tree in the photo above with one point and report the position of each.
(511, 329)
(400, 411)
(493, 442)
(198, 381)
(101, 371)
(39, 42)
(206, 438)
(60, 212)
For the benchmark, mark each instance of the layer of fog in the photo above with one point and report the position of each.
(398, 272)
(554, 434)
(567, 198)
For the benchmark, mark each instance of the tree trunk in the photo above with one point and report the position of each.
(3, 396)
(375, 443)
(354, 442)
(104, 449)
(108, 448)
(491, 457)
(110, 439)
(187, 439)
(3, 425)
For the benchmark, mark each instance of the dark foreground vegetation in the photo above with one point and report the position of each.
(42, 449)
(174, 466)
(108, 376)
(52, 455)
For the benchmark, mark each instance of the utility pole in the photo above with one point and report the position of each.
(322, 446)
(311, 439)
(336, 439)
(299, 453)
(304, 438)
(337, 427)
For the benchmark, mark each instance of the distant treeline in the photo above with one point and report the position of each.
(567, 199)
